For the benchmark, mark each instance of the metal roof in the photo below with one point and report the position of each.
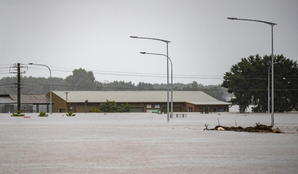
(5, 99)
(195, 97)
(32, 99)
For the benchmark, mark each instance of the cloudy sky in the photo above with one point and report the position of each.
(94, 35)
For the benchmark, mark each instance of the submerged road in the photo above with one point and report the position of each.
(146, 143)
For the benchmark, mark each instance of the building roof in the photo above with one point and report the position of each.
(6, 99)
(32, 99)
(195, 97)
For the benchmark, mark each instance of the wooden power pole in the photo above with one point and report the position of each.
(16, 69)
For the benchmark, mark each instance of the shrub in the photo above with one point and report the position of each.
(111, 106)
(94, 110)
(70, 113)
(42, 114)
(18, 114)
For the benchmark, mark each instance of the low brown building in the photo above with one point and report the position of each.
(139, 101)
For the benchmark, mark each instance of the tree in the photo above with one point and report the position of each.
(119, 86)
(111, 106)
(7, 85)
(248, 80)
(82, 80)
(144, 86)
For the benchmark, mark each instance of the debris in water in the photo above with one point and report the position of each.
(206, 127)
(257, 128)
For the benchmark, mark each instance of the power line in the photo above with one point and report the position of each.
(135, 74)
(147, 75)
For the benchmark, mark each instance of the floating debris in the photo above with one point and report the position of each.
(257, 128)
(206, 127)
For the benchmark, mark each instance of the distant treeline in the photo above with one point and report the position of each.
(81, 80)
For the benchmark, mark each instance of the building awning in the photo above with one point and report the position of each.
(210, 103)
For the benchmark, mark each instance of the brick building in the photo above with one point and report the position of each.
(139, 101)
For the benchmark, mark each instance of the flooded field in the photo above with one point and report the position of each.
(146, 143)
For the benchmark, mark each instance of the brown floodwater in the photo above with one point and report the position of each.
(146, 143)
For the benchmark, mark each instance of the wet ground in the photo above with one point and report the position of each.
(146, 143)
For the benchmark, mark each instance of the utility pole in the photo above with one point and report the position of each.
(19, 86)
(16, 69)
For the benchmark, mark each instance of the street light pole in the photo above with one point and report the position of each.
(167, 42)
(269, 89)
(157, 54)
(272, 62)
(50, 83)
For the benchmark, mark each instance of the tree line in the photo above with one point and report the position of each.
(82, 80)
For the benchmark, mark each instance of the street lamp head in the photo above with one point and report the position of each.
(134, 37)
(30, 63)
(142, 52)
(232, 18)
(253, 20)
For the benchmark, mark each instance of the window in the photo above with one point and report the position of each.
(222, 109)
(189, 109)
(214, 109)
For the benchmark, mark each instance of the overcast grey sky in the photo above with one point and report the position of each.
(94, 35)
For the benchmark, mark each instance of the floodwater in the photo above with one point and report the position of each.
(146, 143)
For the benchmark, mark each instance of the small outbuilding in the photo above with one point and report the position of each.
(7, 104)
(29, 103)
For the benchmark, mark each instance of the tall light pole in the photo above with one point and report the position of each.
(269, 89)
(272, 64)
(167, 42)
(157, 54)
(50, 83)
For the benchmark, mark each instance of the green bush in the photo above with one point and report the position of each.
(70, 114)
(94, 110)
(42, 114)
(111, 106)
(201, 110)
(18, 114)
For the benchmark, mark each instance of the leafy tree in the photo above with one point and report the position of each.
(82, 80)
(7, 85)
(248, 80)
(194, 85)
(119, 86)
(40, 85)
(144, 86)
(124, 108)
(111, 106)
